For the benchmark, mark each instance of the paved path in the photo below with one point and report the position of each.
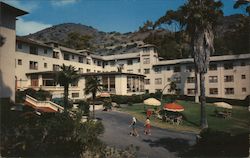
(161, 144)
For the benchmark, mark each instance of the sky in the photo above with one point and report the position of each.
(105, 15)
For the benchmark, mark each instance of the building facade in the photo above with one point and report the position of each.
(27, 63)
(129, 73)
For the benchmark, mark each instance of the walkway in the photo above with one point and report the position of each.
(161, 144)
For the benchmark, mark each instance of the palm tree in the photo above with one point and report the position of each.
(198, 18)
(66, 76)
(245, 3)
(93, 86)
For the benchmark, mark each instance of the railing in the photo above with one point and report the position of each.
(48, 104)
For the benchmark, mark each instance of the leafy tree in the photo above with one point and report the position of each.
(93, 86)
(66, 76)
(198, 18)
(148, 25)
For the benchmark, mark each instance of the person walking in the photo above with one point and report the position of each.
(147, 126)
(134, 130)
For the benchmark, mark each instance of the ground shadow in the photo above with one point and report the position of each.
(171, 144)
(219, 144)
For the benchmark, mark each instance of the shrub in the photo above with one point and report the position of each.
(58, 135)
(39, 95)
(84, 106)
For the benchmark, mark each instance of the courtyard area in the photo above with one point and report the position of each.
(163, 142)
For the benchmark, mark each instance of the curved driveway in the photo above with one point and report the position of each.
(161, 144)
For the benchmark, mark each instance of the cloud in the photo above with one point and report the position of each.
(24, 5)
(26, 27)
(62, 2)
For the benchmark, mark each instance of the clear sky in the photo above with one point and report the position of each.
(104, 15)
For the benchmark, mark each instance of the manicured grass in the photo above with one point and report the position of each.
(238, 123)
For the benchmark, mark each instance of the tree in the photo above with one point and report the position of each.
(245, 3)
(93, 86)
(198, 18)
(66, 76)
(77, 41)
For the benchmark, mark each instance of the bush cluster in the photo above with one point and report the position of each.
(39, 95)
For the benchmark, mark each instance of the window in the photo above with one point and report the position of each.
(45, 51)
(146, 60)
(33, 50)
(212, 67)
(99, 63)
(56, 67)
(130, 62)
(130, 71)
(242, 64)
(213, 79)
(66, 56)
(169, 79)
(139, 70)
(190, 68)
(228, 66)
(228, 78)
(168, 68)
(72, 57)
(157, 70)
(213, 91)
(243, 77)
(147, 81)
(229, 91)
(45, 65)
(244, 89)
(112, 63)
(56, 55)
(19, 62)
(88, 70)
(191, 91)
(80, 59)
(34, 80)
(158, 81)
(75, 95)
(33, 65)
(48, 80)
(177, 79)
(191, 80)
(19, 45)
(146, 71)
(177, 69)
(80, 70)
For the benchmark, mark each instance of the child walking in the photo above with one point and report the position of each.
(147, 126)
(133, 125)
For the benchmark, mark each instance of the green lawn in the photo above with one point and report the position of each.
(238, 123)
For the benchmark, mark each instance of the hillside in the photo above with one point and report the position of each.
(79, 36)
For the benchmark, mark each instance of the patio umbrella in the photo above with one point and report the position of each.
(173, 107)
(152, 102)
(223, 105)
(104, 95)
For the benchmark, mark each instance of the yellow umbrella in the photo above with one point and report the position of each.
(152, 102)
(223, 105)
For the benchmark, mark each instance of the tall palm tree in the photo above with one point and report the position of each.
(66, 76)
(93, 86)
(198, 18)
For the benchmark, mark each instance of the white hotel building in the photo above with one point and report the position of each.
(143, 70)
